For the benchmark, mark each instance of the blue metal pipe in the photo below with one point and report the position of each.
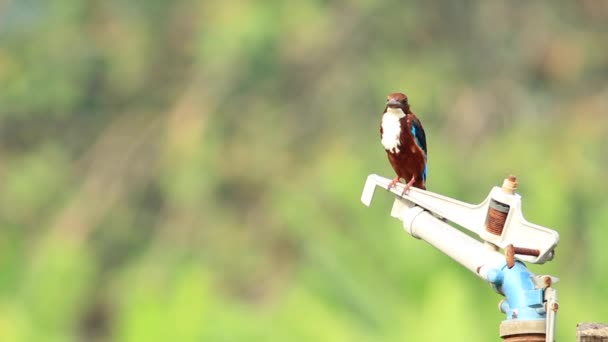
(523, 300)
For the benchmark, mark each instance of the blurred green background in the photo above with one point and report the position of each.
(191, 170)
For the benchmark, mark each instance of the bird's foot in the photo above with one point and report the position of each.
(408, 186)
(393, 183)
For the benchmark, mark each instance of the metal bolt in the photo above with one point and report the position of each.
(509, 185)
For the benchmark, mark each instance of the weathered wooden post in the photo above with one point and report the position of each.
(592, 332)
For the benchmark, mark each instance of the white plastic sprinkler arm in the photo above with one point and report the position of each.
(517, 231)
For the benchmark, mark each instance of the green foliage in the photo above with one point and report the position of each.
(191, 171)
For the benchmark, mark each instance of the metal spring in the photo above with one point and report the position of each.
(497, 216)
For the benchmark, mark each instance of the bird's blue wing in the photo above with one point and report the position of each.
(420, 138)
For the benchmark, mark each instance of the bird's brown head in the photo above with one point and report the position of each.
(397, 100)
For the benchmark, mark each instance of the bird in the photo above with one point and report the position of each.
(404, 141)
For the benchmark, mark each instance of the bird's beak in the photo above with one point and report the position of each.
(392, 103)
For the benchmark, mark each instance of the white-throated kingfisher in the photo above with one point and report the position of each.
(404, 140)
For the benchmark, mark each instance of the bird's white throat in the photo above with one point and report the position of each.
(391, 129)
